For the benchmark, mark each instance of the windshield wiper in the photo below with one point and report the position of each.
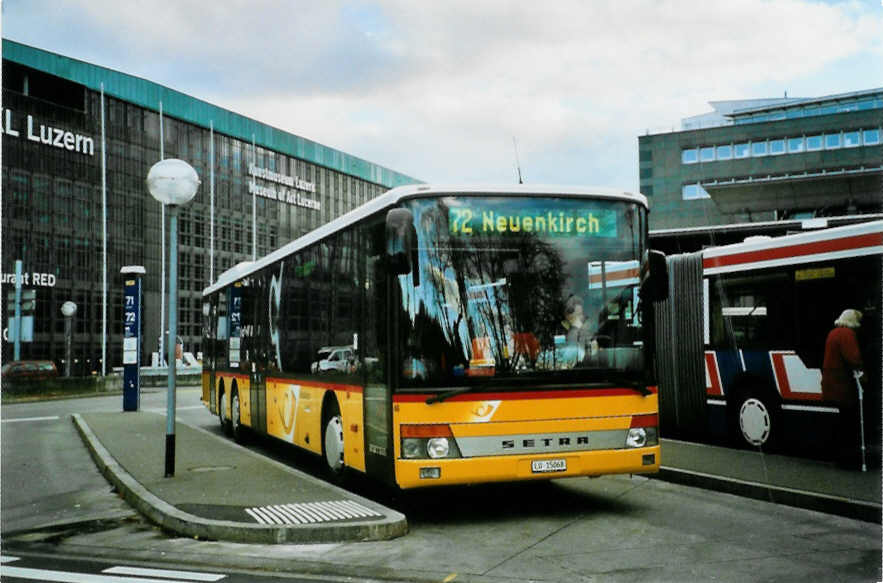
(439, 397)
(630, 384)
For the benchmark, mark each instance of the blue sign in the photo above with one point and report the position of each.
(132, 344)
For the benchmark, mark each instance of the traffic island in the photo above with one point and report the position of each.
(226, 492)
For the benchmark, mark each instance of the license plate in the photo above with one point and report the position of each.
(543, 466)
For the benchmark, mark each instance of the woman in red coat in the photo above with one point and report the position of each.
(842, 357)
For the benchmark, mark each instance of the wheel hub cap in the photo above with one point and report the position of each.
(334, 444)
(754, 420)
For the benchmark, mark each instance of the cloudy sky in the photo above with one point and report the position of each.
(439, 89)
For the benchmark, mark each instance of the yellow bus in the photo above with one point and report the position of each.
(449, 335)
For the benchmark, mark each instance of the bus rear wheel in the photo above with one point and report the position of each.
(236, 428)
(332, 442)
(755, 419)
(226, 426)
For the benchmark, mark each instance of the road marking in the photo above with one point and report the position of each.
(73, 577)
(52, 418)
(183, 575)
(4, 560)
(310, 512)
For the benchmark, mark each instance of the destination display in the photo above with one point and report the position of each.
(464, 221)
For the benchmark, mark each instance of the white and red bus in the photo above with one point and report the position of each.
(744, 330)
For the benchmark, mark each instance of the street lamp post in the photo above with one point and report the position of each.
(68, 310)
(172, 182)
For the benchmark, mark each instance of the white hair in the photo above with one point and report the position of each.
(849, 319)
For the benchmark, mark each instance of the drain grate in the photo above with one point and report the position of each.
(310, 512)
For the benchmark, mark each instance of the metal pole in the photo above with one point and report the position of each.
(861, 415)
(211, 256)
(103, 241)
(68, 321)
(254, 205)
(162, 238)
(173, 336)
(16, 338)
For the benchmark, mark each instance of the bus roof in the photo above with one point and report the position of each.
(821, 245)
(394, 196)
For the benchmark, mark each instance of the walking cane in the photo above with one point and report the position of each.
(861, 415)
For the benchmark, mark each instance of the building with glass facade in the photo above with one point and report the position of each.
(767, 160)
(57, 175)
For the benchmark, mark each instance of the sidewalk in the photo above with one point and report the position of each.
(223, 491)
(792, 481)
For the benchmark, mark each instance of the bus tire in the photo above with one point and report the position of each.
(226, 427)
(755, 418)
(236, 428)
(332, 441)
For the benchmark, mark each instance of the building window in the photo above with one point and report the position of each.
(690, 156)
(758, 149)
(851, 139)
(777, 147)
(871, 137)
(832, 141)
(706, 154)
(724, 152)
(795, 145)
(693, 192)
(813, 143)
(855, 104)
(741, 150)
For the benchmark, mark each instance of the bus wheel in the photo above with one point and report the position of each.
(756, 419)
(222, 413)
(236, 428)
(332, 441)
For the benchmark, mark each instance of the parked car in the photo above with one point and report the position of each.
(29, 369)
(340, 359)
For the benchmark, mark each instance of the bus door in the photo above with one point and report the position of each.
(375, 350)
(209, 315)
(220, 336)
(229, 334)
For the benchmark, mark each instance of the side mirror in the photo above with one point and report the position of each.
(401, 243)
(654, 277)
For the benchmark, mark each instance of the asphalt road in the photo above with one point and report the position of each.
(608, 529)
(48, 568)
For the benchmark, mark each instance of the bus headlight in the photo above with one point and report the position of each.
(438, 447)
(641, 437)
(412, 448)
(428, 441)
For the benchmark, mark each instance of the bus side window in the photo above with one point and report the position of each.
(371, 349)
(816, 306)
(751, 312)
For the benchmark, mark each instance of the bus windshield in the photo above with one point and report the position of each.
(535, 289)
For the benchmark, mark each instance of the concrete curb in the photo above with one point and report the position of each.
(167, 516)
(865, 511)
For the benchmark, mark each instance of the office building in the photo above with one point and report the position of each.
(76, 134)
(767, 161)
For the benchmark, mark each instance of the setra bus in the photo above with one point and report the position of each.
(444, 335)
(744, 333)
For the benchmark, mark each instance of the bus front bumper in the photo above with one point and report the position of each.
(437, 472)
